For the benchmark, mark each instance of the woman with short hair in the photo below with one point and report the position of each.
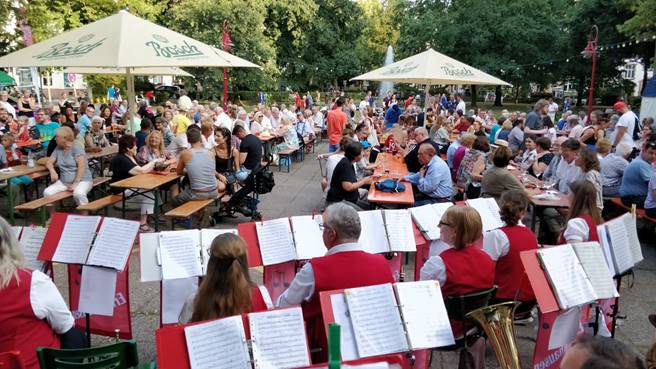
(227, 288)
(74, 174)
(542, 157)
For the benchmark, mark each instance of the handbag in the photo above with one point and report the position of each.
(390, 185)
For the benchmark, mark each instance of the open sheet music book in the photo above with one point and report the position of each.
(427, 218)
(82, 242)
(578, 273)
(30, 240)
(286, 239)
(380, 322)
(277, 337)
(622, 243)
(386, 231)
(176, 254)
(488, 209)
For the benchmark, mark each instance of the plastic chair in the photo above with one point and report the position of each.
(457, 307)
(11, 360)
(121, 355)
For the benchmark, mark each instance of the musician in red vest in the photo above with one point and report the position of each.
(584, 215)
(506, 243)
(345, 265)
(227, 288)
(32, 311)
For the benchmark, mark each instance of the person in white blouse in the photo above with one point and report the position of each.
(584, 214)
(33, 312)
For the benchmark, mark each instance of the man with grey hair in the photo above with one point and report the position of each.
(412, 158)
(345, 265)
(4, 97)
(534, 118)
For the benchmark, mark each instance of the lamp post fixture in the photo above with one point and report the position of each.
(590, 51)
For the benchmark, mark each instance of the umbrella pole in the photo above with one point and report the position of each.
(131, 98)
(426, 97)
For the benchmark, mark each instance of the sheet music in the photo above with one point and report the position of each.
(568, 280)
(114, 243)
(594, 265)
(398, 224)
(565, 328)
(207, 236)
(174, 294)
(219, 344)
(488, 209)
(151, 270)
(605, 246)
(31, 241)
(373, 236)
(97, 290)
(16, 231)
(278, 338)
(180, 252)
(620, 248)
(276, 241)
(308, 237)
(347, 345)
(424, 314)
(376, 320)
(632, 234)
(426, 219)
(76, 239)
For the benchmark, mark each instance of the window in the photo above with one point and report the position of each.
(629, 71)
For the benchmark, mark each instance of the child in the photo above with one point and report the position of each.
(584, 215)
(12, 157)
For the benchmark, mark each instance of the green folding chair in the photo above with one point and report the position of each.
(120, 355)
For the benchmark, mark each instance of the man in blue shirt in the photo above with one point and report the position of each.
(636, 176)
(451, 151)
(392, 116)
(84, 123)
(433, 182)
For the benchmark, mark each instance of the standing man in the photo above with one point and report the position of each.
(337, 120)
(345, 265)
(552, 109)
(111, 93)
(534, 118)
(460, 106)
(627, 128)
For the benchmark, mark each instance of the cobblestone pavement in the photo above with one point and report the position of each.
(299, 193)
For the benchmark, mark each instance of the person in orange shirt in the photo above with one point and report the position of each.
(337, 120)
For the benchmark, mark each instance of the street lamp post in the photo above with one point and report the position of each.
(590, 51)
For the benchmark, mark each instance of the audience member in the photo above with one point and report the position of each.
(84, 122)
(587, 352)
(250, 152)
(198, 165)
(207, 133)
(433, 181)
(466, 143)
(344, 184)
(46, 127)
(627, 128)
(633, 189)
(95, 138)
(589, 164)
(543, 157)
(337, 120)
(412, 158)
(146, 127)
(516, 136)
(613, 165)
(472, 166)
(567, 170)
(497, 179)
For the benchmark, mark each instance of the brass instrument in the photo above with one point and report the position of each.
(497, 322)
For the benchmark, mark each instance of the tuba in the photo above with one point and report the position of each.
(497, 322)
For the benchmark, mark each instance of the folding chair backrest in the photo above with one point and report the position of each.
(121, 355)
(458, 306)
(11, 360)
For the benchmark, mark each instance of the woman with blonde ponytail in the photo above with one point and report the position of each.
(227, 289)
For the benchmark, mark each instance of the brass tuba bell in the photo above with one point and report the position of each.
(497, 322)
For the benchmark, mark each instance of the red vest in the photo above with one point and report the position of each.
(510, 275)
(467, 270)
(20, 329)
(338, 271)
(592, 230)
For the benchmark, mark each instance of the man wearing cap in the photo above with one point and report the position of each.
(627, 128)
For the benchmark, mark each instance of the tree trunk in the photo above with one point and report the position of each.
(517, 94)
(579, 91)
(473, 96)
(497, 96)
(644, 75)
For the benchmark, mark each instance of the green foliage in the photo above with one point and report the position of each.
(8, 37)
(98, 83)
(380, 30)
(642, 23)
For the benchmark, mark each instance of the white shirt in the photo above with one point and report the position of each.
(552, 108)
(10, 109)
(496, 244)
(223, 120)
(208, 143)
(274, 122)
(577, 131)
(577, 230)
(627, 120)
(318, 120)
(302, 287)
(461, 106)
(47, 303)
(266, 123)
(331, 163)
(566, 174)
(434, 269)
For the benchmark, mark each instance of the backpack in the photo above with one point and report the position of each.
(265, 182)
(390, 185)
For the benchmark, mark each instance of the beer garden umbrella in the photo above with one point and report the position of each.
(140, 71)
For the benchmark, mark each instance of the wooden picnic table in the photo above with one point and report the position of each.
(17, 171)
(390, 166)
(142, 184)
(105, 151)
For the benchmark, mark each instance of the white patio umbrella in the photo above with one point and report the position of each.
(141, 71)
(124, 41)
(431, 68)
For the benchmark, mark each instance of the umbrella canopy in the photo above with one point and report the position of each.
(431, 68)
(121, 40)
(6, 80)
(144, 71)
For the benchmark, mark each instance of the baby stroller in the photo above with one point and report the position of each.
(245, 200)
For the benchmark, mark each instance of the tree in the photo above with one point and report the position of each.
(642, 24)
(8, 35)
(380, 29)
(203, 20)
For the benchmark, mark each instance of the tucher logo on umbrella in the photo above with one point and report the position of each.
(83, 46)
(162, 47)
(408, 67)
(453, 71)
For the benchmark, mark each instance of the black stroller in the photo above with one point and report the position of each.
(245, 200)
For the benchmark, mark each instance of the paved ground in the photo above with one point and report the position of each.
(298, 193)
